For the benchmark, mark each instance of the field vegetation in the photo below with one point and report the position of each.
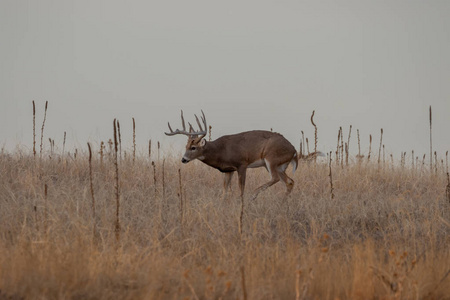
(127, 225)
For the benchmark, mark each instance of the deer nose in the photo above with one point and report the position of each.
(184, 161)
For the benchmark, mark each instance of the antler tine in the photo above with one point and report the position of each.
(191, 129)
(204, 120)
(182, 120)
(169, 127)
(202, 133)
(198, 123)
(177, 131)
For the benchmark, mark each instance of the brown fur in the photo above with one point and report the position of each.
(244, 150)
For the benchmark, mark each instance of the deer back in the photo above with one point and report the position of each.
(250, 146)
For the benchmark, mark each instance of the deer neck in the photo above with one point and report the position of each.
(210, 154)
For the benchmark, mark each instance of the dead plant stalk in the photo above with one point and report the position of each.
(94, 227)
(117, 190)
(42, 128)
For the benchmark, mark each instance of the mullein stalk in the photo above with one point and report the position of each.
(34, 129)
(94, 225)
(117, 190)
(42, 128)
(134, 141)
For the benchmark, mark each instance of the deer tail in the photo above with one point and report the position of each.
(294, 162)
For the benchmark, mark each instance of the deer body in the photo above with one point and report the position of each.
(251, 149)
(229, 153)
(237, 152)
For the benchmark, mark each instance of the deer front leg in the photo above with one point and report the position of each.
(241, 174)
(226, 183)
(241, 177)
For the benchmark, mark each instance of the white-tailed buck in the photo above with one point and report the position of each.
(237, 152)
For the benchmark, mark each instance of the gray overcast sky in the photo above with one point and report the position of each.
(247, 64)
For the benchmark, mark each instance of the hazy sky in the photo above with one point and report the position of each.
(247, 64)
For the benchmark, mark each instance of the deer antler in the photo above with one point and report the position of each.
(201, 133)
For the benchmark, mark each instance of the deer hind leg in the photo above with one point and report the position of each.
(289, 185)
(226, 183)
(287, 181)
(275, 178)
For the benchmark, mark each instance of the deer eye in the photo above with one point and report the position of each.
(193, 148)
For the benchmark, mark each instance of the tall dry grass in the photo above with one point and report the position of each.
(384, 235)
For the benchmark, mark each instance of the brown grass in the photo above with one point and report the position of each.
(385, 235)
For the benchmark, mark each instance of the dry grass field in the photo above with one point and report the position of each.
(384, 235)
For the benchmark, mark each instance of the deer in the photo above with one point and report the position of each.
(238, 152)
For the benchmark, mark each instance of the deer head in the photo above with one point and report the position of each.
(195, 144)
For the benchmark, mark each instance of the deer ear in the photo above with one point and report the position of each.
(202, 143)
